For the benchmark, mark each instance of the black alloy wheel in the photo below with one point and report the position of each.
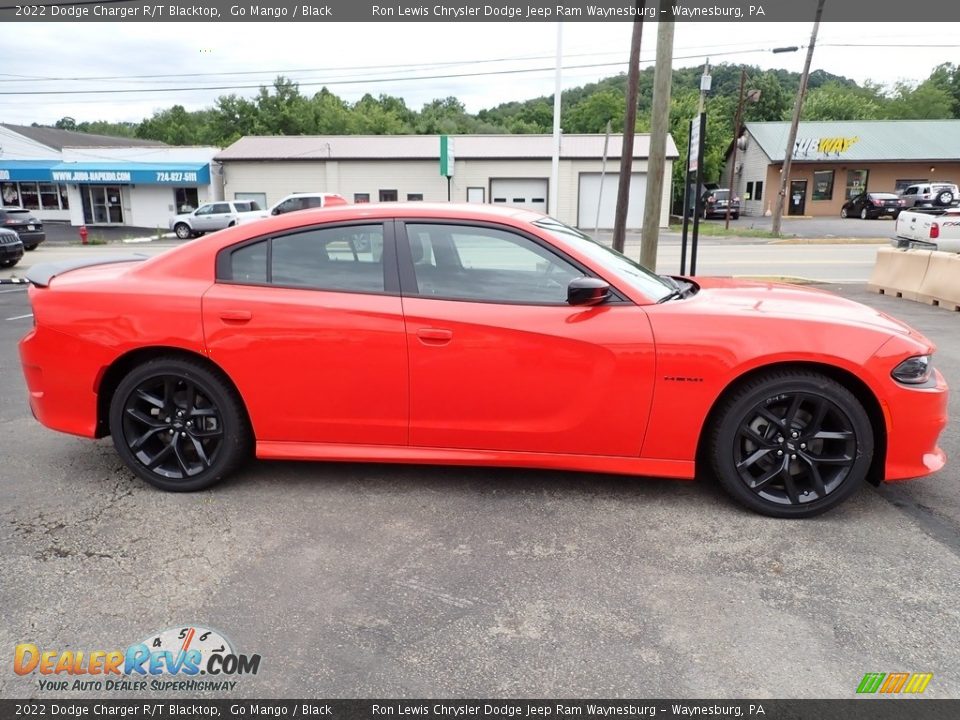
(792, 444)
(178, 425)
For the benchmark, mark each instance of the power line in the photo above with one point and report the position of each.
(363, 81)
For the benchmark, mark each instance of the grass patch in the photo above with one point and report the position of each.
(717, 230)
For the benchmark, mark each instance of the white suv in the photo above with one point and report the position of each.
(938, 194)
(306, 201)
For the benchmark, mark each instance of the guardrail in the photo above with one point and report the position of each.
(927, 276)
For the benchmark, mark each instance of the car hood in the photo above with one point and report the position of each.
(732, 296)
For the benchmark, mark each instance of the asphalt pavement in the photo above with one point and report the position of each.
(355, 580)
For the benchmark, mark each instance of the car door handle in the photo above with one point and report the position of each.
(434, 336)
(236, 316)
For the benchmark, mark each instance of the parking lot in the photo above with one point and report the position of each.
(405, 581)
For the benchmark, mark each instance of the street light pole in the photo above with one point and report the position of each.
(794, 123)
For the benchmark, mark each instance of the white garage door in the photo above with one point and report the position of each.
(591, 197)
(530, 194)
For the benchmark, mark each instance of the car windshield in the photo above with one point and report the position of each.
(627, 270)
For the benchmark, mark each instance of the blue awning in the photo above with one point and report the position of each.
(132, 173)
(14, 170)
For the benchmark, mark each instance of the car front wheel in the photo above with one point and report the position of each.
(864, 214)
(179, 425)
(791, 444)
(182, 231)
(843, 213)
(8, 263)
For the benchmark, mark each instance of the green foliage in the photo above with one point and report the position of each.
(281, 109)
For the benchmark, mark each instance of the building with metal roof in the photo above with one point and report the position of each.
(834, 160)
(498, 169)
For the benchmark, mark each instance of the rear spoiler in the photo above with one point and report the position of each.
(41, 275)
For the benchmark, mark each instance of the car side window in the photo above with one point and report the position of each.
(220, 208)
(460, 262)
(204, 210)
(346, 259)
(249, 263)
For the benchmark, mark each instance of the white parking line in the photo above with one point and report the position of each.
(20, 317)
(19, 289)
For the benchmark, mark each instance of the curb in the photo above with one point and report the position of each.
(831, 241)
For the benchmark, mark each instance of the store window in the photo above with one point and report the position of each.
(361, 197)
(29, 196)
(10, 193)
(412, 197)
(856, 182)
(758, 190)
(186, 199)
(823, 185)
(64, 197)
(49, 196)
(902, 185)
(258, 197)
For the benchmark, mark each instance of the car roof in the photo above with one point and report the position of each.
(439, 210)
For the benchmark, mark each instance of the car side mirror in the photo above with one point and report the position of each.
(587, 291)
(275, 211)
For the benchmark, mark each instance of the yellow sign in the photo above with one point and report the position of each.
(823, 146)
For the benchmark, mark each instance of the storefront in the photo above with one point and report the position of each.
(132, 193)
(88, 179)
(833, 161)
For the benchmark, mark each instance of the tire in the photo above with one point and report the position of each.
(144, 422)
(864, 215)
(183, 231)
(844, 213)
(30, 248)
(758, 444)
(8, 263)
(944, 198)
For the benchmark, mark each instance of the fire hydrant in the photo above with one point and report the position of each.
(83, 234)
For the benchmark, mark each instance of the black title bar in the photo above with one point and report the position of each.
(854, 11)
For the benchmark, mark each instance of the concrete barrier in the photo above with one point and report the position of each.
(900, 272)
(941, 284)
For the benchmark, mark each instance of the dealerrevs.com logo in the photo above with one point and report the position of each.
(173, 659)
(894, 683)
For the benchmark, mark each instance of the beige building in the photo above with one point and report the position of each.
(497, 169)
(833, 161)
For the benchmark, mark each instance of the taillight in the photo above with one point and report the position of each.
(878, 203)
(934, 231)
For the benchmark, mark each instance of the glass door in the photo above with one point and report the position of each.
(106, 205)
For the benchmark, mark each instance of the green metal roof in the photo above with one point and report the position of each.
(873, 140)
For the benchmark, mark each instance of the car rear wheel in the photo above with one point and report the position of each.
(179, 425)
(791, 444)
(182, 231)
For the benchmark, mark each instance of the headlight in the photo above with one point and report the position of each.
(913, 371)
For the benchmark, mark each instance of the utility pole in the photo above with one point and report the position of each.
(660, 126)
(736, 138)
(629, 129)
(794, 123)
(555, 159)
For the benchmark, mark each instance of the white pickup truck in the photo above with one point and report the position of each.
(931, 229)
(215, 216)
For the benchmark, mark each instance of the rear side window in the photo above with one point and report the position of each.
(341, 259)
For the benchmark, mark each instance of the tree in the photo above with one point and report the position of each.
(833, 101)
(592, 114)
(66, 123)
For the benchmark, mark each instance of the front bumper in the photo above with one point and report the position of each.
(11, 251)
(915, 417)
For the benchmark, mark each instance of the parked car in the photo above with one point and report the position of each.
(480, 335)
(25, 224)
(934, 230)
(307, 201)
(215, 216)
(872, 205)
(930, 194)
(715, 204)
(11, 248)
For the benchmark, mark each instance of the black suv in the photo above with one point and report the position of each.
(11, 248)
(24, 224)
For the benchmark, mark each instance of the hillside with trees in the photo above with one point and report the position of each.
(283, 109)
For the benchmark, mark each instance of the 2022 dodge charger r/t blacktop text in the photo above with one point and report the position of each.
(468, 335)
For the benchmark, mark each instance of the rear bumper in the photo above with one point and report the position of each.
(61, 376)
(31, 237)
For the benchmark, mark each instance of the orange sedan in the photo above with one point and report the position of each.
(468, 335)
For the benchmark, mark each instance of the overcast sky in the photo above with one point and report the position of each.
(356, 58)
